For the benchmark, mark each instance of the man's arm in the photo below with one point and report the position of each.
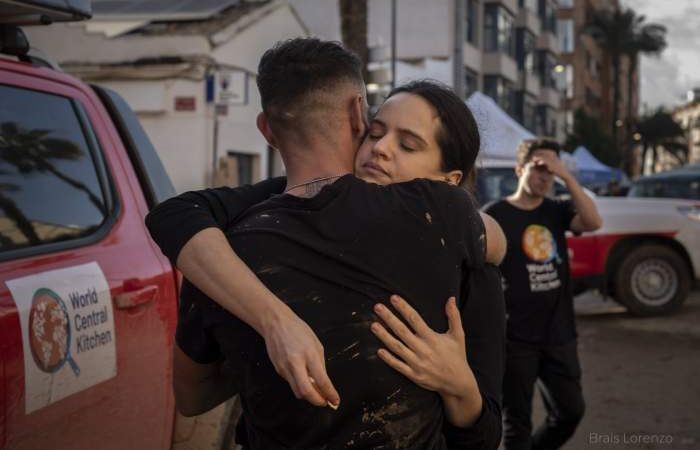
(199, 387)
(188, 230)
(587, 217)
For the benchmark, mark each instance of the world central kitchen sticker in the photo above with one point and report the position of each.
(68, 335)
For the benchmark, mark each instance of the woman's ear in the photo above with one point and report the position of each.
(454, 177)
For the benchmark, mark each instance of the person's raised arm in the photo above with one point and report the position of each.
(188, 229)
(587, 217)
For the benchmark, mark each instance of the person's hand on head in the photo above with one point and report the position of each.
(552, 163)
(298, 357)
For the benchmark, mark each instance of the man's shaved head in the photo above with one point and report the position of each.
(302, 82)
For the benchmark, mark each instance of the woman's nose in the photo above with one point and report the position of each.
(381, 148)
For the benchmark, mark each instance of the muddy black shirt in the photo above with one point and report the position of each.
(539, 302)
(331, 258)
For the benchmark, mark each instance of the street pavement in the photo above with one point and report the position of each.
(641, 377)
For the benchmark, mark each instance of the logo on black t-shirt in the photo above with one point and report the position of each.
(541, 248)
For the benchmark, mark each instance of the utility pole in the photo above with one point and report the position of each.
(393, 44)
(458, 54)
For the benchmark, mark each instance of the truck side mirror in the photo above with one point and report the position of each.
(13, 41)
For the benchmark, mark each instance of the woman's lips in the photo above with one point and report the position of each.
(376, 168)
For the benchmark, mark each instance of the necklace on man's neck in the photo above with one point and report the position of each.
(314, 186)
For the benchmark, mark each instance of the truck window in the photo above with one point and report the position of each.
(50, 190)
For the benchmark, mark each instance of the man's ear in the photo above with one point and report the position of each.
(358, 117)
(264, 126)
(454, 177)
(519, 170)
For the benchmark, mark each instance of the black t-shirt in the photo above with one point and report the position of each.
(352, 245)
(539, 302)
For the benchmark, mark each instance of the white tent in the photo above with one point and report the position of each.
(500, 133)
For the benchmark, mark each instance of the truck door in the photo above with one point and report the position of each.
(87, 305)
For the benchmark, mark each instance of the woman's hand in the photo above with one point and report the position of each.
(434, 361)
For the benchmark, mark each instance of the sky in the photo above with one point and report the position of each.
(666, 79)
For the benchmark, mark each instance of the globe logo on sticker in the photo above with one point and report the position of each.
(50, 332)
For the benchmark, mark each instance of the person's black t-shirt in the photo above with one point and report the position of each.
(535, 270)
(331, 258)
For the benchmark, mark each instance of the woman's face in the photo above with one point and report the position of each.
(401, 145)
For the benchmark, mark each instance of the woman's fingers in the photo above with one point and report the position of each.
(396, 364)
(393, 344)
(397, 326)
(454, 321)
(411, 315)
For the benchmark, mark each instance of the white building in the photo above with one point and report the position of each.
(190, 79)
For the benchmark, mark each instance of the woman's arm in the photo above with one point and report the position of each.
(188, 229)
(495, 240)
(470, 387)
(434, 361)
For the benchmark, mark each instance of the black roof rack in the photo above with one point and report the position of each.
(43, 12)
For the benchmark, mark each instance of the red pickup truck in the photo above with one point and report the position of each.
(88, 304)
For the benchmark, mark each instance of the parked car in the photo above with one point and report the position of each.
(646, 256)
(88, 304)
(683, 183)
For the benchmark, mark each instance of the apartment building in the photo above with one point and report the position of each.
(586, 76)
(511, 50)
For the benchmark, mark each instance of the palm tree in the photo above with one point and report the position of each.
(34, 150)
(649, 39)
(353, 26)
(660, 132)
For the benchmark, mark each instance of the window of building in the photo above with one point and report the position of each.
(546, 121)
(498, 30)
(566, 3)
(525, 50)
(471, 80)
(526, 110)
(532, 5)
(565, 81)
(546, 63)
(547, 10)
(502, 91)
(566, 35)
(50, 189)
(471, 22)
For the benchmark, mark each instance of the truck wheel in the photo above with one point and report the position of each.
(652, 280)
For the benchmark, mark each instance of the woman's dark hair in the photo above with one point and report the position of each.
(458, 135)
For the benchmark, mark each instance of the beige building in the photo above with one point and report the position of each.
(688, 116)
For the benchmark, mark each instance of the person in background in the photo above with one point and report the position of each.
(540, 327)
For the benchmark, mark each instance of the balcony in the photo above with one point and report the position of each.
(529, 82)
(550, 97)
(548, 41)
(500, 64)
(528, 19)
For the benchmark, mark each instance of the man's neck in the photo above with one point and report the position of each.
(311, 168)
(524, 200)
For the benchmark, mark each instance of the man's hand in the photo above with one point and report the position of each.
(552, 163)
(298, 357)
